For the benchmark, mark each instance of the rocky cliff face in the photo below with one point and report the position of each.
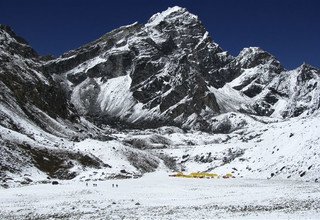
(291, 93)
(25, 90)
(34, 114)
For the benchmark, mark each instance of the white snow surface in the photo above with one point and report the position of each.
(230, 99)
(157, 196)
(115, 97)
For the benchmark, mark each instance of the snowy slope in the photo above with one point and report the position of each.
(285, 150)
(157, 196)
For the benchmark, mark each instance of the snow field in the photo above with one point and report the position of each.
(157, 196)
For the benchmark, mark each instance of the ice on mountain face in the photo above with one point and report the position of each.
(254, 80)
(115, 97)
(230, 99)
(81, 96)
(85, 66)
(248, 75)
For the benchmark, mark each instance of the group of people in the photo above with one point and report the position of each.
(95, 184)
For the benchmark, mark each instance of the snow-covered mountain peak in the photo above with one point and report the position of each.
(307, 67)
(253, 56)
(6, 33)
(172, 14)
(14, 44)
(250, 50)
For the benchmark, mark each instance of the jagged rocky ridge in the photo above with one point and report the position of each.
(165, 72)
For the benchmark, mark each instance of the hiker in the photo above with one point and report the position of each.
(112, 185)
(117, 185)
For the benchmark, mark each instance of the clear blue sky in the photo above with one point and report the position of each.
(289, 29)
